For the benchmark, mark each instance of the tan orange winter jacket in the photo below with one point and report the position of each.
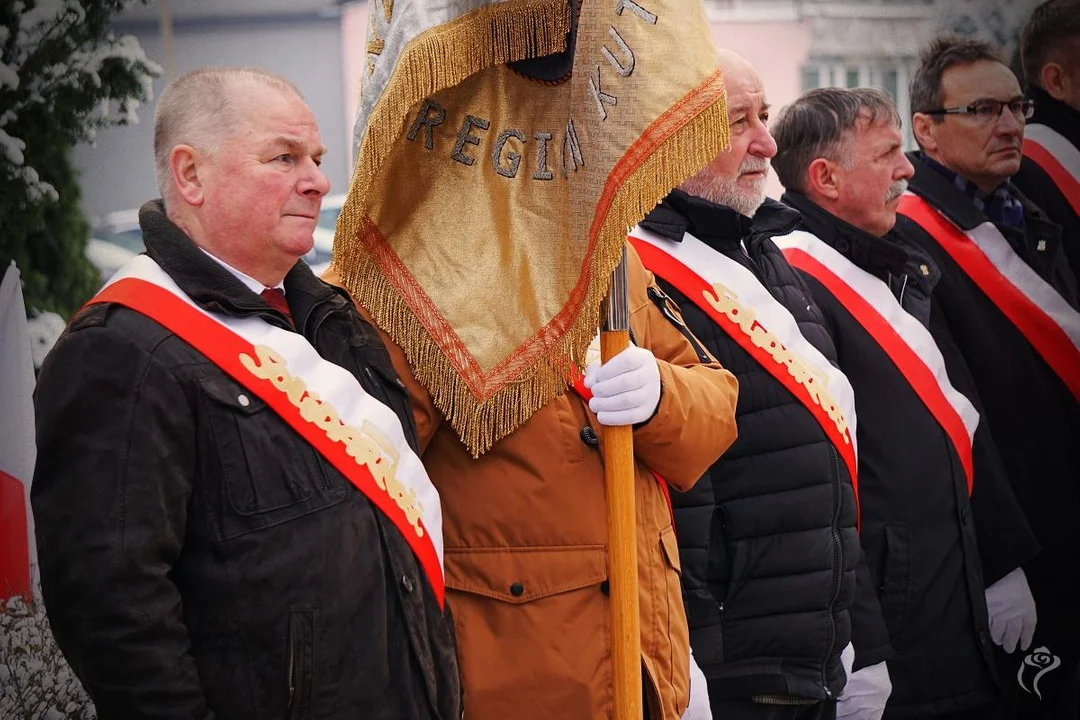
(525, 534)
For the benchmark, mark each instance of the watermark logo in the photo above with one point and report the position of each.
(1043, 661)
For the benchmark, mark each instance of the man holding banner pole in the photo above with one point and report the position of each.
(503, 150)
(232, 518)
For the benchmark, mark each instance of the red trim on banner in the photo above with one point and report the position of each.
(906, 360)
(1048, 339)
(586, 394)
(14, 541)
(1066, 183)
(223, 347)
(693, 286)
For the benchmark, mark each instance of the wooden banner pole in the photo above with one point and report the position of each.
(618, 447)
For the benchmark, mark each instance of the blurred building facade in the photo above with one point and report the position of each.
(299, 39)
(320, 45)
(799, 45)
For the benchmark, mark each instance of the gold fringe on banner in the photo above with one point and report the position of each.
(481, 421)
(444, 56)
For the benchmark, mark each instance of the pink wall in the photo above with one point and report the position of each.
(354, 18)
(778, 50)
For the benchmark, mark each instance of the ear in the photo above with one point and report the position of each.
(1054, 81)
(184, 162)
(924, 129)
(821, 180)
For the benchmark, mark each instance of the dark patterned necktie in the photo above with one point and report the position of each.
(275, 298)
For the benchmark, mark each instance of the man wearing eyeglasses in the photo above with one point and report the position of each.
(1010, 301)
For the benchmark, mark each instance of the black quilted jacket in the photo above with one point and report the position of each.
(767, 537)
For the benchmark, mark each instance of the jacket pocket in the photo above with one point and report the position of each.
(896, 577)
(669, 670)
(268, 473)
(670, 547)
(300, 661)
(533, 629)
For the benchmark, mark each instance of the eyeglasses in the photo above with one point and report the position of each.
(986, 110)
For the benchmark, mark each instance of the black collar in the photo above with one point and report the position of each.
(1055, 114)
(946, 197)
(870, 253)
(214, 288)
(775, 218)
(719, 226)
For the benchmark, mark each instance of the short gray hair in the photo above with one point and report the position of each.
(819, 125)
(196, 109)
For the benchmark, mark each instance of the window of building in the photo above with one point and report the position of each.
(891, 83)
(889, 75)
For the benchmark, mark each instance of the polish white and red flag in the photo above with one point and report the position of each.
(18, 449)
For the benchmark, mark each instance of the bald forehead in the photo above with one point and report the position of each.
(732, 62)
(981, 80)
(244, 91)
(744, 86)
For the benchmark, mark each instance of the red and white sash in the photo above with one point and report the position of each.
(903, 338)
(1057, 157)
(321, 401)
(1037, 310)
(732, 297)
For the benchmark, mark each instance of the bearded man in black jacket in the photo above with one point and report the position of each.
(768, 538)
(939, 521)
(204, 553)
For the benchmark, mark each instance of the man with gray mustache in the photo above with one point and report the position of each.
(939, 523)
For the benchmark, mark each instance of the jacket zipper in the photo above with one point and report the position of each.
(754, 267)
(838, 553)
(660, 300)
(292, 663)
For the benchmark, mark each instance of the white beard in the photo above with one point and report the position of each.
(726, 191)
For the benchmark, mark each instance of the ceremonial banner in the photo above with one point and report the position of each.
(503, 150)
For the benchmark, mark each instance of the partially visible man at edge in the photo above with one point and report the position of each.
(939, 520)
(1050, 172)
(1010, 302)
(526, 535)
(199, 557)
(773, 577)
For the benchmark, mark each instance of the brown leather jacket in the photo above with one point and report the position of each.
(525, 533)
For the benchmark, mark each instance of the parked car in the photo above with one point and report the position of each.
(117, 238)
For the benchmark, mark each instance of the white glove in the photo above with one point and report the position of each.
(847, 659)
(1012, 611)
(865, 694)
(699, 707)
(626, 389)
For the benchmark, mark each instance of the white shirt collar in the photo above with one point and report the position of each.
(252, 284)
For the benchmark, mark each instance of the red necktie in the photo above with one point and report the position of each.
(275, 298)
